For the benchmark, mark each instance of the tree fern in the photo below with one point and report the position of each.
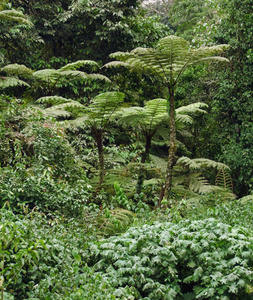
(102, 110)
(167, 61)
(152, 120)
(49, 80)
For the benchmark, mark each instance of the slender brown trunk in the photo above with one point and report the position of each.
(172, 151)
(101, 163)
(143, 160)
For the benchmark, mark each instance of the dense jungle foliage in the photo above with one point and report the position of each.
(126, 149)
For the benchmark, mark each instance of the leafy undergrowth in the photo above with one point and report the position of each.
(47, 257)
(189, 260)
(40, 258)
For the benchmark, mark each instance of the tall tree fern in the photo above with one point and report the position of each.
(167, 61)
(152, 120)
(97, 117)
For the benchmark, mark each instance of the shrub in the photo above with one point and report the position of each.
(40, 258)
(195, 259)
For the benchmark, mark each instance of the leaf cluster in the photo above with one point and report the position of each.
(205, 259)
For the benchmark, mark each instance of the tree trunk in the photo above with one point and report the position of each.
(172, 151)
(101, 163)
(143, 160)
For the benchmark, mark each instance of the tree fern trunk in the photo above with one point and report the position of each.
(101, 163)
(143, 160)
(172, 151)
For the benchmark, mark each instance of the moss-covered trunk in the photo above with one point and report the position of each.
(172, 150)
(101, 162)
(143, 160)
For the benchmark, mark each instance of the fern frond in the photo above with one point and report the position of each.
(16, 69)
(199, 184)
(169, 59)
(53, 100)
(117, 222)
(159, 162)
(156, 112)
(223, 179)
(104, 106)
(245, 199)
(78, 64)
(14, 16)
(152, 115)
(192, 108)
(78, 122)
(184, 133)
(115, 64)
(46, 75)
(6, 82)
(99, 77)
(186, 119)
(207, 54)
(56, 113)
(73, 74)
(199, 163)
(130, 115)
(151, 182)
(60, 110)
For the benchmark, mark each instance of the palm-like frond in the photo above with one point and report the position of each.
(99, 77)
(78, 64)
(156, 112)
(61, 110)
(159, 163)
(183, 113)
(151, 115)
(104, 106)
(17, 70)
(245, 199)
(50, 78)
(14, 16)
(130, 115)
(53, 100)
(116, 221)
(192, 108)
(46, 75)
(169, 59)
(200, 163)
(6, 82)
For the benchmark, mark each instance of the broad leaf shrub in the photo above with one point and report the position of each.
(38, 188)
(203, 259)
(49, 178)
(40, 258)
(235, 213)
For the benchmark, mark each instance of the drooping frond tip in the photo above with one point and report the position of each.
(199, 163)
(79, 64)
(16, 69)
(14, 16)
(6, 82)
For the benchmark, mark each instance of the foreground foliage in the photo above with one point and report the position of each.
(41, 259)
(189, 260)
(49, 257)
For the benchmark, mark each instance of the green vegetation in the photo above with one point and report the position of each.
(126, 174)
